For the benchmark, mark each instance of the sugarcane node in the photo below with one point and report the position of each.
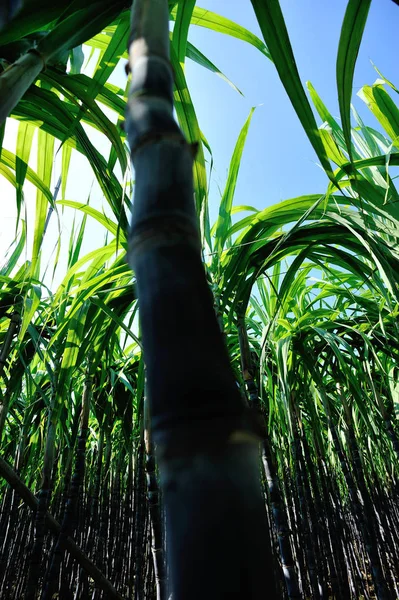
(135, 55)
(155, 137)
(40, 55)
(163, 232)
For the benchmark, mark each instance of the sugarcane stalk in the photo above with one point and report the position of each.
(30, 500)
(206, 446)
(154, 508)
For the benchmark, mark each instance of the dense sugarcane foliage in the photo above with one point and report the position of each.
(306, 292)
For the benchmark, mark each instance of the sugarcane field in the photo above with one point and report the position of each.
(199, 300)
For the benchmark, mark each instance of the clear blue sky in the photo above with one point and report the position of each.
(278, 161)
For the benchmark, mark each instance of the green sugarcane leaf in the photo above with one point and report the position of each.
(98, 302)
(97, 215)
(383, 108)
(190, 128)
(97, 257)
(75, 245)
(65, 164)
(8, 174)
(180, 31)
(24, 145)
(332, 150)
(327, 117)
(10, 160)
(73, 90)
(45, 157)
(223, 224)
(35, 15)
(17, 252)
(385, 80)
(194, 54)
(76, 56)
(272, 24)
(206, 18)
(73, 344)
(31, 305)
(78, 27)
(348, 49)
(57, 117)
(115, 49)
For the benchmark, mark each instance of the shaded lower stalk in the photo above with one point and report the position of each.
(30, 500)
(208, 453)
(68, 523)
(154, 508)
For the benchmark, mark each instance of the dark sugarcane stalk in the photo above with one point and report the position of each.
(294, 526)
(69, 457)
(315, 509)
(387, 545)
(4, 530)
(384, 532)
(94, 495)
(363, 514)
(369, 527)
(26, 495)
(21, 559)
(348, 476)
(102, 537)
(118, 547)
(154, 507)
(280, 521)
(300, 483)
(276, 500)
(69, 520)
(35, 563)
(206, 445)
(11, 544)
(44, 496)
(128, 522)
(140, 510)
(338, 571)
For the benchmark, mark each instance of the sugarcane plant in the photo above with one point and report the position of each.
(192, 409)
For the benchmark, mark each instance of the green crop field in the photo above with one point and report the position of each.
(196, 401)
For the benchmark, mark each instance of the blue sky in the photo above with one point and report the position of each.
(278, 161)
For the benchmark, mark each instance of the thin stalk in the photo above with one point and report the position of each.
(155, 511)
